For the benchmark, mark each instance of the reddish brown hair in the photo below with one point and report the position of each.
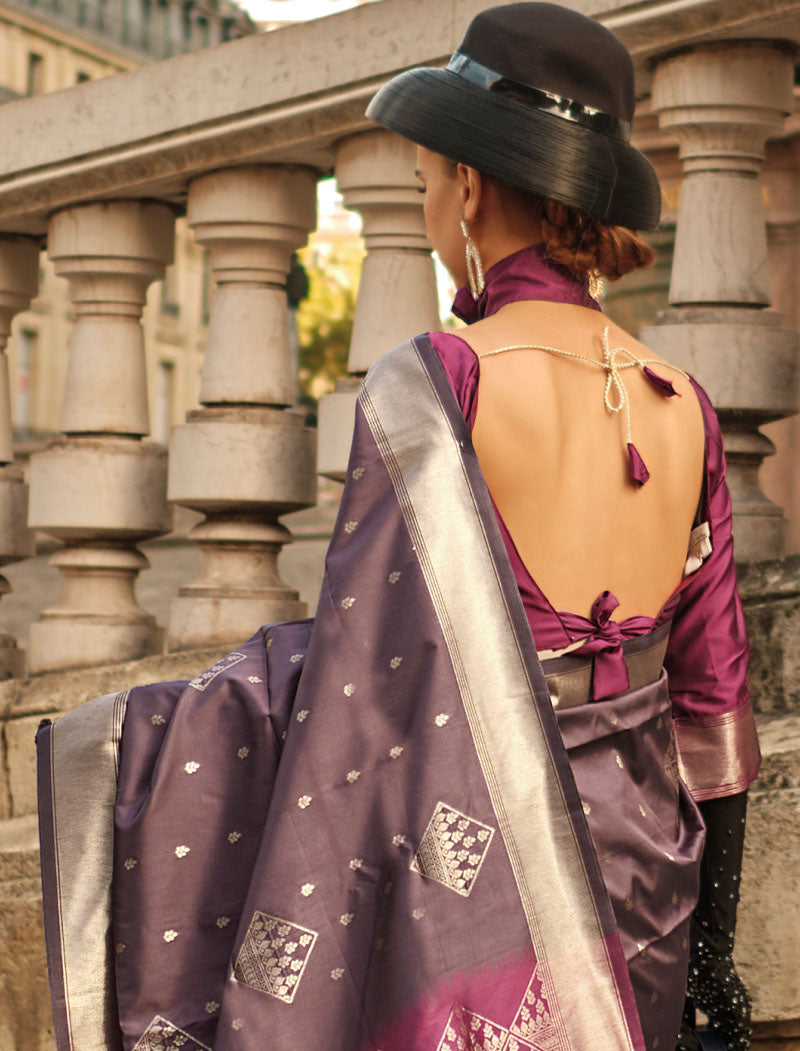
(586, 244)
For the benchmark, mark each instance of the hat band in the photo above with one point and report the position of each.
(547, 101)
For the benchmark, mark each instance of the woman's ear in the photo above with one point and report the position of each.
(471, 189)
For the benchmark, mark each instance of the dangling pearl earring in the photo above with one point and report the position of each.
(474, 263)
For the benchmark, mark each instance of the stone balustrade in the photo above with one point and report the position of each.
(100, 488)
(246, 456)
(722, 101)
(236, 138)
(397, 295)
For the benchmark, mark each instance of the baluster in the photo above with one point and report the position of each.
(722, 101)
(397, 295)
(246, 457)
(19, 278)
(99, 488)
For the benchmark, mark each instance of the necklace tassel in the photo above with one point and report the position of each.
(661, 383)
(639, 473)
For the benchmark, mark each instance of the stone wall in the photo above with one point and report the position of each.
(25, 1021)
(768, 939)
(767, 936)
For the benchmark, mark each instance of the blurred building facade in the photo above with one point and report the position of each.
(58, 44)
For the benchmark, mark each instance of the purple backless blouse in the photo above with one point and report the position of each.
(708, 650)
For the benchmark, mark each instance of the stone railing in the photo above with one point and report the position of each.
(236, 138)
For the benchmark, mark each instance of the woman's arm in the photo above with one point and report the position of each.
(707, 663)
(708, 652)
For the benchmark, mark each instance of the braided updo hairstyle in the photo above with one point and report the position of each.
(586, 244)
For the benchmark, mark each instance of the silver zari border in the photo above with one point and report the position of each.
(425, 463)
(84, 765)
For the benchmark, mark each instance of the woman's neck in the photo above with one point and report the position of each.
(527, 274)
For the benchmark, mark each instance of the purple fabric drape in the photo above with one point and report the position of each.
(306, 846)
(366, 833)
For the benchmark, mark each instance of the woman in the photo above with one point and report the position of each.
(367, 832)
(549, 454)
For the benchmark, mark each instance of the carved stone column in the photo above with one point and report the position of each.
(19, 278)
(397, 296)
(246, 457)
(722, 101)
(100, 488)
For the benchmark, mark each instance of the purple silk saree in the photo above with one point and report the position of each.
(364, 832)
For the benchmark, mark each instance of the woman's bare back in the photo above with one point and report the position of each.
(555, 459)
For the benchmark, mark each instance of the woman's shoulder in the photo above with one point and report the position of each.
(687, 384)
(458, 359)
(451, 344)
(461, 365)
(684, 380)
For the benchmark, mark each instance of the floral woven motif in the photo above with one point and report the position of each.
(467, 1031)
(534, 1021)
(453, 849)
(671, 764)
(162, 1035)
(205, 678)
(274, 955)
(532, 1027)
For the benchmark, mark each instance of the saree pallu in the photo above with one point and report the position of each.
(364, 832)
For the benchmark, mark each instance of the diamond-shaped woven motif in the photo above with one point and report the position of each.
(551, 1040)
(453, 849)
(533, 1021)
(274, 955)
(467, 1031)
(534, 1028)
(162, 1035)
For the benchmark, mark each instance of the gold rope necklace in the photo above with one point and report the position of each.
(615, 395)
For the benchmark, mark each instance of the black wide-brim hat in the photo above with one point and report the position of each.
(540, 97)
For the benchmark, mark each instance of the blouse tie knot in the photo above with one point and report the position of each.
(610, 672)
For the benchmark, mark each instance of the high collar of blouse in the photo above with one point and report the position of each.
(526, 274)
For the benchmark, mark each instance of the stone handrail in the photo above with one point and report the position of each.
(278, 98)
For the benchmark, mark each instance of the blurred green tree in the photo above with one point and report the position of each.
(325, 315)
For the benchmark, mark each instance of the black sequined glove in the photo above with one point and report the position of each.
(714, 987)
